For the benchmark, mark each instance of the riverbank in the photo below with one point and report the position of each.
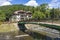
(8, 27)
(15, 36)
(43, 30)
(11, 31)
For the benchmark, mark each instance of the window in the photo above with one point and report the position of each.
(22, 15)
(30, 16)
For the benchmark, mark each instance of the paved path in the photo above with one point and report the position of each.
(22, 35)
(43, 23)
(50, 23)
(43, 30)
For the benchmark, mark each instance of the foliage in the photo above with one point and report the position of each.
(2, 16)
(51, 26)
(38, 15)
(39, 12)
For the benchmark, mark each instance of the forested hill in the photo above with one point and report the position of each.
(12, 8)
(7, 11)
(39, 12)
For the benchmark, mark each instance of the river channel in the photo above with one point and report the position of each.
(32, 36)
(19, 35)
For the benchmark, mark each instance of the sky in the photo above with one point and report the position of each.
(51, 3)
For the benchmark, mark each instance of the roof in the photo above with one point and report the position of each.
(21, 11)
(28, 12)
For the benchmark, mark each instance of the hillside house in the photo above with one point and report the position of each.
(21, 15)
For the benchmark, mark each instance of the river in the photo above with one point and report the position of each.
(32, 36)
(14, 36)
(35, 35)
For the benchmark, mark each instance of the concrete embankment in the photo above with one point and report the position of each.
(43, 30)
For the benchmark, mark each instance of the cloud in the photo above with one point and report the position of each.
(32, 3)
(5, 2)
(54, 4)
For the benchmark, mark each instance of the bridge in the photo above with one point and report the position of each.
(37, 27)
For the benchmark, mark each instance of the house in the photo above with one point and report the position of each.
(21, 15)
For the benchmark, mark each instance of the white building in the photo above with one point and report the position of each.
(21, 15)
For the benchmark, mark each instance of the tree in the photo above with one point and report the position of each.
(2, 16)
(39, 12)
(38, 15)
(43, 7)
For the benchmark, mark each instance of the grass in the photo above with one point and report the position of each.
(45, 25)
(7, 27)
(11, 29)
(51, 26)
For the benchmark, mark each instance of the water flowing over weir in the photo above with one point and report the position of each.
(37, 35)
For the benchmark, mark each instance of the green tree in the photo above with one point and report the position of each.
(2, 16)
(38, 15)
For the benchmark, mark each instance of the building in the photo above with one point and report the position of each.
(21, 15)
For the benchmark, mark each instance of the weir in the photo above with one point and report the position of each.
(48, 34)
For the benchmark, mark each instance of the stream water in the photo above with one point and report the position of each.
(33, 36)
(38, 36)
